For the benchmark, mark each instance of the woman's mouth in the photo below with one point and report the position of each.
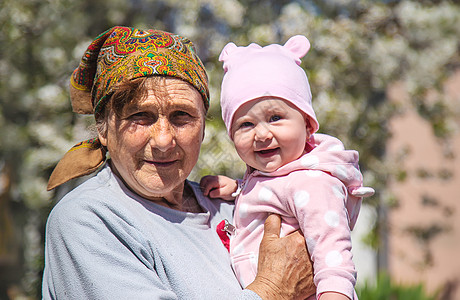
(161, 164)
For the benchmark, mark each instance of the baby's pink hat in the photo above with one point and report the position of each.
(252, 72)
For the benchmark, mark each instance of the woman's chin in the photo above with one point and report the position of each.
(158, 185)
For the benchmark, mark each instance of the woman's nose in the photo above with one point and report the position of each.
(162, 135)
(263, 133)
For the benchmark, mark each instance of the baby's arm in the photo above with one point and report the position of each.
(319, 206)
(218, 186)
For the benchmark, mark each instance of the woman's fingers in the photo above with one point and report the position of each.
(272, 226)
(284, 268)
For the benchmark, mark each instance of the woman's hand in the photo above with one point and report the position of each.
(218, 186)
(284, 268)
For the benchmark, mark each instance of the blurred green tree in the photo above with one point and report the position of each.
(359, 49)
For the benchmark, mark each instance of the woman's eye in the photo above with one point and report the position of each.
(275, 118)
(181, 114)
(139, 115)
(181, 117)
(142, 118)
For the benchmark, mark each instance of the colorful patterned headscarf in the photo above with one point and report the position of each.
(123, 53)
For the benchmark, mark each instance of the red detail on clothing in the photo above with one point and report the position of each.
(222, 233)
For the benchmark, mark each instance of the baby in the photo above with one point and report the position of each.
(309, 179)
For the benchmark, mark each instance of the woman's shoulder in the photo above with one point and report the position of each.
(87, 196)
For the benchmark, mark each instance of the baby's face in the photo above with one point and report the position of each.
(269, 133)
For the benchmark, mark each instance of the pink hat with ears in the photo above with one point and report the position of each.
(252, 72)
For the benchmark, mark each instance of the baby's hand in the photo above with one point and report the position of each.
(218, 186)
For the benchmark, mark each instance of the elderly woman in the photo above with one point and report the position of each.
(139, 229)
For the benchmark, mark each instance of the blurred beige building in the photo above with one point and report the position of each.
(424, 227)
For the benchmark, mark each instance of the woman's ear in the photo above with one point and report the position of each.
(102, 132)
(102, 139)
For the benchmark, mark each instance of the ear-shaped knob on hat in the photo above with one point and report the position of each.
(229, 48)
(232, 50)
(299, 45)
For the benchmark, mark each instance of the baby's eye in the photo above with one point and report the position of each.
(275, 118)
(246, 124)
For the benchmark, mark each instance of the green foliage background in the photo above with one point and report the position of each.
(359, 49)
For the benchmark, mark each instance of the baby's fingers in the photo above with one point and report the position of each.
(207, 183)
(221, 193)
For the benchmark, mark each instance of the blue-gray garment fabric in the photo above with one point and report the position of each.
(105, 242)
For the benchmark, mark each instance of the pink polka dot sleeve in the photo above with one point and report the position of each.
(320, 209)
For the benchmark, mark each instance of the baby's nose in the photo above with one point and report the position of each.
(263, 133)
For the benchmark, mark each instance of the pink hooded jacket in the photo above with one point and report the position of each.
(313, 193)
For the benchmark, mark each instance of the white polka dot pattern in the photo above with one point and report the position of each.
(301, 198)
(338, 191)
(243, 210)
(311, 244)
(341, 172)
(309, 161)
(332, 218)
(357, 175)
(334, 259)
(254, 224)
(336, 147)
(265, 194)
